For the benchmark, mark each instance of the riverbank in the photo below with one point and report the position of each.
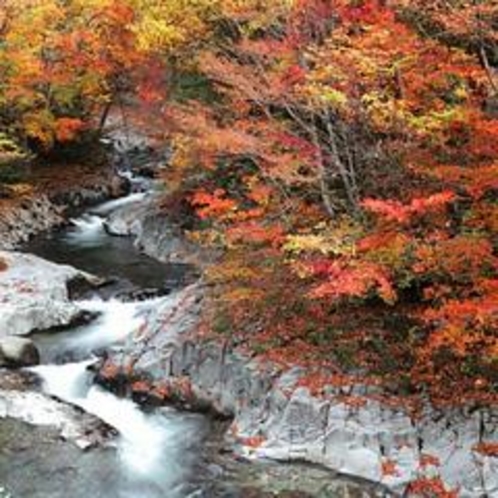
(143, 436)
(48, 193)
(346, 429)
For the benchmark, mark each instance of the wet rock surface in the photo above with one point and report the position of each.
(239, 479)
(71, 423)
(154, 232)
(127, 220)
(19, 380)
(41, 212)
(36, 463)
(26, 219)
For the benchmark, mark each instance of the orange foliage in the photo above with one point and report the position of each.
(487, 449)
(430, 488)
(429, 461)
(66, 129)
(332, 121)
(389, 468)
(213, 205)
(344, 166)
(252, 442)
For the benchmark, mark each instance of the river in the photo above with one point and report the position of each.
(155, 451)
(158, 453)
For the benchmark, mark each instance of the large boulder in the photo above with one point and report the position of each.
(18, 352)
(347, 429)
(72, 423)
(127, 217)
(155, 233)
(34, 294)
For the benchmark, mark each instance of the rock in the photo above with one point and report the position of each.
(23, 220)
(81, 286)
(18, 352)
(126, 220)
(290, 423)
(142, 294)
(147, 170)
(124, 216)
(161, 239)
(36, 463)
(30, 216)
(19, 380)
(155, 234)
(72, 423)
(119, 186)
(34, 294)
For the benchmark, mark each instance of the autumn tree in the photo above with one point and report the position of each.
(65, 63)
(340, 155)
(350, 171)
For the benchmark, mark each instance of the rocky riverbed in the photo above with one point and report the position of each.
(60, 432)
(275, 418)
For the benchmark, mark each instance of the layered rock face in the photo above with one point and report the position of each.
(34, 294)
(23, 221)
(38, 213)
(154, 233)
(368, 439)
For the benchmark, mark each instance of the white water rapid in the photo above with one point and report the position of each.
(153, 447)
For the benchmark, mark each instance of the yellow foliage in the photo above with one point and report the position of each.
(21, 189)
(337, 240)
(163, 26)
(40, 125)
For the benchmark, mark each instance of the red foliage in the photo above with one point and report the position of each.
(430, 488)
(389, 468)
(429, 461)
(252, 442)
(344, 175)
(355, 279)
(487, 449)
(213, 205)
(141, 386)
(400, 213)
(66, 129)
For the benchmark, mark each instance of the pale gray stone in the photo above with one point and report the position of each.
(18, 352)
(39, 409)
(34, 294)
(295, 425)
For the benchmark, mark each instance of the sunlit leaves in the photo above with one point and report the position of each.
(214, 204)
(343, 163)
(164, 26)
(60, 60)
(401, 213)
(355, 279)
(356, 99)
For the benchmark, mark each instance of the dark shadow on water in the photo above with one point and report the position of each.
(91, 249)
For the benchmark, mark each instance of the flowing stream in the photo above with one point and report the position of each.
(86, 245)
(160, 453)
(155, 451)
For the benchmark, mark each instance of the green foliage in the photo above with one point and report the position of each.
(12, 159)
